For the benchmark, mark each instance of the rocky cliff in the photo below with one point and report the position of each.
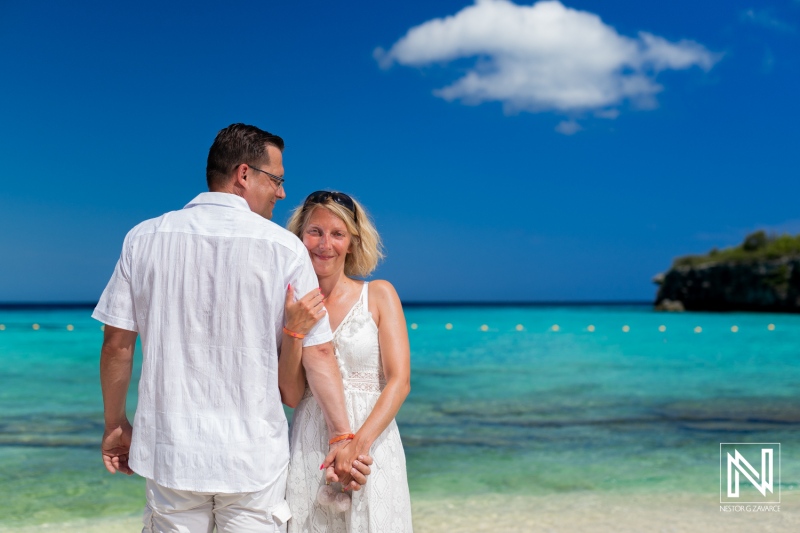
(763, 274)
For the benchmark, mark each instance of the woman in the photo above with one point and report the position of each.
(372, 350)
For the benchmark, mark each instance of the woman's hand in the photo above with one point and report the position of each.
(305, 312)
(346, 465)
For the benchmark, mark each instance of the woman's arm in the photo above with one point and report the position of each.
(395, 355)
(300, 318)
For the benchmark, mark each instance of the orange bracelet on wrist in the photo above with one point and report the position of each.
(293, 334)
(340, 438)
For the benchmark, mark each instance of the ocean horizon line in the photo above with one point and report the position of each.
(25, 306)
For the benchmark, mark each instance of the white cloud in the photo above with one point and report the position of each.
(607, 113)
(545, 57)
(568, 127)
(765, 18)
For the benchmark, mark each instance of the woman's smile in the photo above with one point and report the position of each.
(328, 241)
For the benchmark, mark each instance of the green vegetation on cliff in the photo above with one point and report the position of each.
(757, 246)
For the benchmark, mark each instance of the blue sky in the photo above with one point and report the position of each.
(579, 182)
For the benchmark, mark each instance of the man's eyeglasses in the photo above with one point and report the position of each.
(319, 197)
(278, 181)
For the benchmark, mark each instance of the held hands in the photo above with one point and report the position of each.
(116, 446)
(344, 464)
(305, 312)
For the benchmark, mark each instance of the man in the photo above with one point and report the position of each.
(204, 287)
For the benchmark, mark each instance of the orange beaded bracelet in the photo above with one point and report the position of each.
(346, 436)
(293, 334)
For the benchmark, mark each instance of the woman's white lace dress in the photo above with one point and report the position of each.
(383, 504)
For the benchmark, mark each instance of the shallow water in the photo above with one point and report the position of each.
(535, 411)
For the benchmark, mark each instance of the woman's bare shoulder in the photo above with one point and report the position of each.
(382, 290)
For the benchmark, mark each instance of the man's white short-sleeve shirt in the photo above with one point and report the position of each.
(205, 289)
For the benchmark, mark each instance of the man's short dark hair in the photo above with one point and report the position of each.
(234, 145)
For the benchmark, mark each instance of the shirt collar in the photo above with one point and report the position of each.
(219, 198)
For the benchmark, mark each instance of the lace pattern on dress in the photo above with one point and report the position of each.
(365, 381)
(358, 381)
(352, 322)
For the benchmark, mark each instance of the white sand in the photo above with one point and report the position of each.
(122, 524)
(595, 512)
(576, 512)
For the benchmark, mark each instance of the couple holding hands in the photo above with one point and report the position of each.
(212, 291)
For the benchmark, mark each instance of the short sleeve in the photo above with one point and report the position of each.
(303, 279)
(116, 305)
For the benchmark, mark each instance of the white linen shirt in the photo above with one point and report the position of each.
(205, 289)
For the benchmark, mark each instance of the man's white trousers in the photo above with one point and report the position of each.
(183, 511)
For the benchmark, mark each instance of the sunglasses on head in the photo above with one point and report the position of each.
(320, 197)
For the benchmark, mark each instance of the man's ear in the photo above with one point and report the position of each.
(241, 176)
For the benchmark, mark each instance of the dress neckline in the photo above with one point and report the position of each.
(352, 308)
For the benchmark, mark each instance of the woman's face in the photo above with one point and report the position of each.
(327, 240)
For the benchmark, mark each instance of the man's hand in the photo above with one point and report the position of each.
(346, 466)
(116, 446)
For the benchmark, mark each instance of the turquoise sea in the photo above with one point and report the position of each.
(520, 400)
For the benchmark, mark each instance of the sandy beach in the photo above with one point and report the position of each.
(662, 513)
(594, 512)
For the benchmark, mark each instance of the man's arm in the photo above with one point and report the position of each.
(325, 381)
(116, 366)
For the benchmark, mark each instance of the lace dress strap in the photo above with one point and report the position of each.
(365, 296)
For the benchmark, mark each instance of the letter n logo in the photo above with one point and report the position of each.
(739, 475)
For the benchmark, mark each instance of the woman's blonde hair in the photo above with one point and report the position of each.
(366, 248)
